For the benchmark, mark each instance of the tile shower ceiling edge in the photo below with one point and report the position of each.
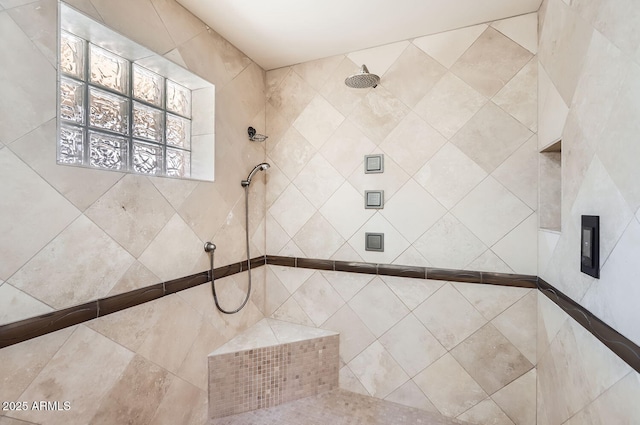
(285, 32)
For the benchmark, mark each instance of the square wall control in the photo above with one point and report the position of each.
(374, 199)
(374, 164)
(374, 242)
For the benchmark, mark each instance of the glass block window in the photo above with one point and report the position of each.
(118, 115)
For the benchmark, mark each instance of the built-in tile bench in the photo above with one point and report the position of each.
(271, 363)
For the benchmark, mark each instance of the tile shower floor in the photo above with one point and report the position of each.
(337, 407)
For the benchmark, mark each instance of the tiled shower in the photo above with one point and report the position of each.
(460, 118)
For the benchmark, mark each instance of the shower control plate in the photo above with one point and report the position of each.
(374, 199)
(374, 242)
(374, 164)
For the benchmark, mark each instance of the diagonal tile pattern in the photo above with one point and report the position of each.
(426, 344)
(450, 110)
(455, 157)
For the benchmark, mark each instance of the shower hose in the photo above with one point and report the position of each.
(211, 255)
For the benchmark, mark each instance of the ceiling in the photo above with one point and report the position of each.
(277, 33)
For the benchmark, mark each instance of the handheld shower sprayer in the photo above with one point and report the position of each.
(260, 167)
(210, 247)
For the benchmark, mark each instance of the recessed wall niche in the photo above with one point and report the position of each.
(125, 108)
(550, 208)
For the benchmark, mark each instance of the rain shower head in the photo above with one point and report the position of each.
(362, 80)
(260, 167)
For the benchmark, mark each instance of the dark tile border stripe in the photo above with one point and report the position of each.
(33, 327)
(23, 330)
(355, 267)
(624, 348)
(467, 276)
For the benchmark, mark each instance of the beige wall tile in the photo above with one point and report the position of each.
(378, 59)
(292, 210)
(354, 334)
(519, 324)
(489, 261)
(343, 98)
(378, 114)
(82, 372)
(450, 175)
(518, 248)
(446, 47)
(552, 110)
(599, 87)
(28, 85)
(126, 18)
(292, 153)
(491, 136)
(412, 292)
(611, 298)
(514, 399)
(564, 40)
(519, 173)
(21, 363)
(412, 143)
(317, 72)
(98, 263)
(449, 387)
(491, 61)
(291, 96)
(490, 211)
(519, 98)
(38, 21)
(522, 29)
(600, 196)
(616, 147)
(318, 299)
(412, 345)
(81, 186)
(205, 218)
(449, 244)
(317, 238)
(318, 180)
(168, 341)
(410, 395)
(194, 367)
(350, 382)
(574, 371)
(490, 300)
(181, 393)
(16, 305)
(449, 105)
(136, 395)
(394, 242)
(484, 355)
(378, 307)
(275, 292)
(179, 22)
(346, 148)
(347, 284)
(318, 121)
(132, 212)
(616, 405)
(412, 75)
(171, 243)
(486, 412)
(382, 379)
(291, 311)
(393, 178)
(40, 222)
(450, 330)
(412, 222)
